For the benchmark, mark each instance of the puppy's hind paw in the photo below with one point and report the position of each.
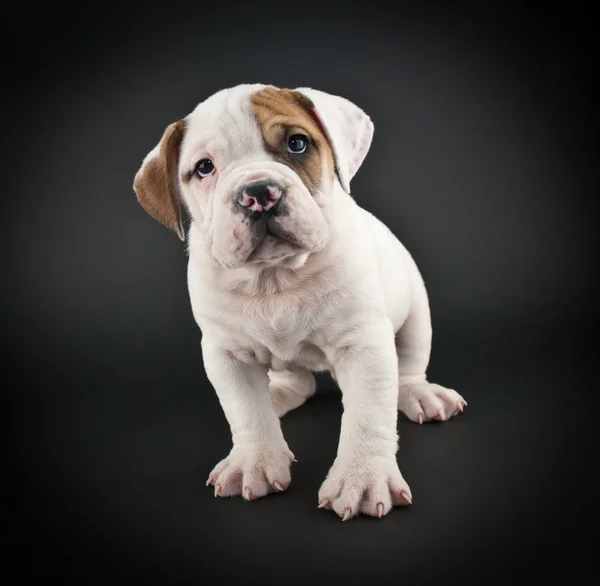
(423, 401)
(290, 389)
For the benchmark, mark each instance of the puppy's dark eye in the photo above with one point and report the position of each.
(297, 144)
(204, 168)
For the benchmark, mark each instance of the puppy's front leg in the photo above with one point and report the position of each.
(259, 461)
(365, 477)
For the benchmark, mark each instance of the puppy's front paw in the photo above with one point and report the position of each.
(252, 472)
(423, 401)
(369, 487)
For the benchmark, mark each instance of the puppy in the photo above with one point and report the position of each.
(288, 276)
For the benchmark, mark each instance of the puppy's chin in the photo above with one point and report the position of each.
(273, 250)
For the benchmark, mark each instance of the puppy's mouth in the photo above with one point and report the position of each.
(273, 228)
(272, 242)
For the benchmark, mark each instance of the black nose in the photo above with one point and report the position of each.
(260, 192)
(263, 196)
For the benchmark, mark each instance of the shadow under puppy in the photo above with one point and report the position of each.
(287, 276)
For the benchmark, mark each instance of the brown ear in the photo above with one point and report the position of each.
(156, 184)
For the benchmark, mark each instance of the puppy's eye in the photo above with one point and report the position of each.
(204, 168)
(297, 144)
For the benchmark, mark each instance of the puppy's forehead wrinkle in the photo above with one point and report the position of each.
(225, 118)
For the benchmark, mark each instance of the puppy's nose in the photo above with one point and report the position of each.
(260, 197)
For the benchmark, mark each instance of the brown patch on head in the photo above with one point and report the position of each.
(156, 183)
(282, 113)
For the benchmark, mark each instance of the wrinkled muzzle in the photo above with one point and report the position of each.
(264, 213)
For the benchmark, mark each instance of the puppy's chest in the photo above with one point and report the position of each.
(286, 332)
(283, 333)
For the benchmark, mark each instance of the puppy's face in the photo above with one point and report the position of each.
(256, 173)
(256, 167)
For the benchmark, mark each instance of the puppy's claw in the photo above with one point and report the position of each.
(278, 486)
(323, 504)
(247, 493)
(217, 490)
(420, 418)
(406, 497)
(438, 416)
(380, 510)
(347, 514)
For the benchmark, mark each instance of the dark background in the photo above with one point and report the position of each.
(483, 163)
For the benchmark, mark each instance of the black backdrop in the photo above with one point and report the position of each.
(483, 163)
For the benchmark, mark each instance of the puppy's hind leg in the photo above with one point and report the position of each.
(419, 399)
(290, 389)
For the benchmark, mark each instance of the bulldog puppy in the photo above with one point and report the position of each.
(288, 276)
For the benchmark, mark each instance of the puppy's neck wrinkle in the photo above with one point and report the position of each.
(277, 280)
(270, 281)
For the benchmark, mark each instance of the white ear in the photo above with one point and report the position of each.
(348, 128)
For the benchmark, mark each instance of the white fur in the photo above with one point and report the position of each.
(348, 299)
